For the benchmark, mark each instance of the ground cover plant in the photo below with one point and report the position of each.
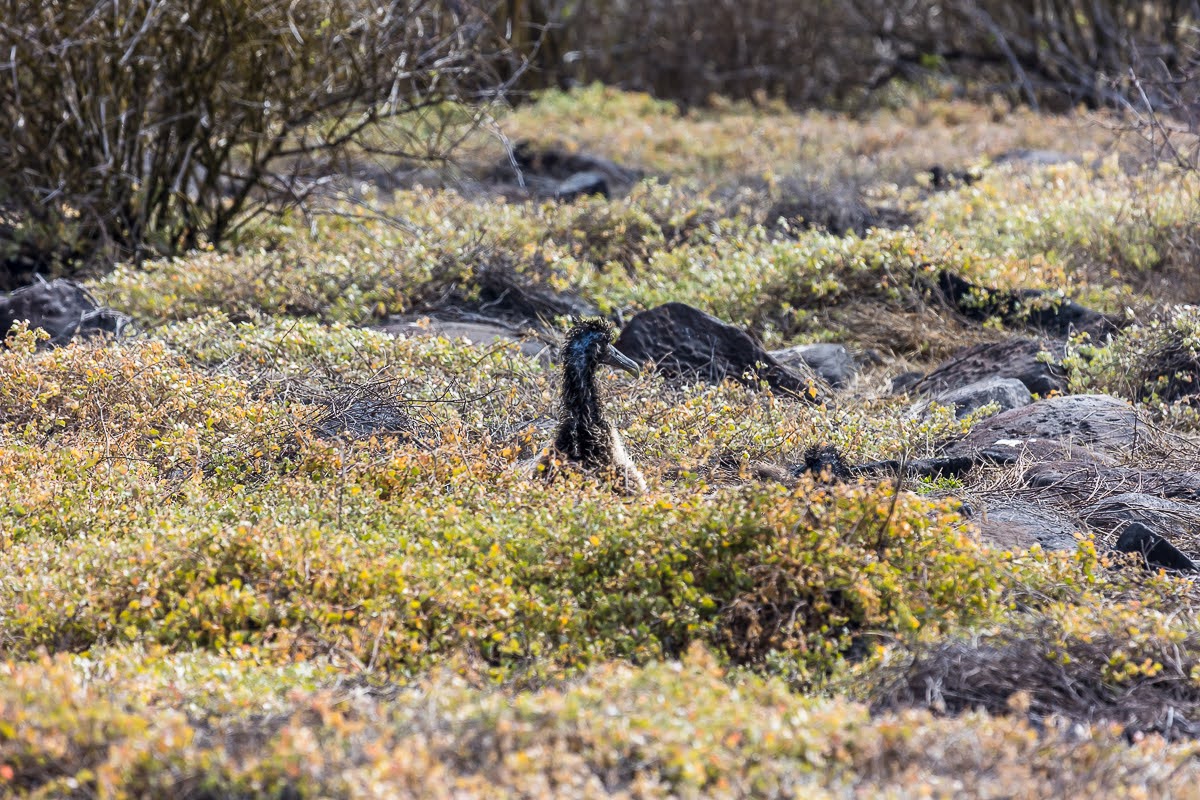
(281, 541)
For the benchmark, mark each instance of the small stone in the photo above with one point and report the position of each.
(582, 184)
(1009, 393)
(833, 362)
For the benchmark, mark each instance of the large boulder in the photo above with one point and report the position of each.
(1100, 425)
(1014, 358)
(62, 308)
(686, 344)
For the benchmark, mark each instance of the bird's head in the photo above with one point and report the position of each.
(589, 344)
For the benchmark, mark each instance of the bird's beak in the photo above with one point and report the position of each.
(615, 358)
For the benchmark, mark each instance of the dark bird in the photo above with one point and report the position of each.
(584, 437)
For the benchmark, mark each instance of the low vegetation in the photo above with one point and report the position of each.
(1154, 362)
(213, 584)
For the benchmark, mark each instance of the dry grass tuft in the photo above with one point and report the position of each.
(367, 410)
(1123, 665)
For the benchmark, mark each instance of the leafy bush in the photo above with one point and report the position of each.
(149, 498)
(206, 591)
(636, 254)
(140, 398)
(757, 573)
(1084, 220)
(1157, 363)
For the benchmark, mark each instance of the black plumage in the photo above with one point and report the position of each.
(584, 437)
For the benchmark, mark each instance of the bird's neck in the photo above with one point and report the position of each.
(583, 434)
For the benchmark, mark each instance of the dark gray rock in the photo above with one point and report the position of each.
(1156, 551)
(1158, 513)
(554, 172)
(906, 381)
(805, 205)
(1035, 308)
(62, 308)
(1017, 524)
(1099, 424)
(1014, 358)
(1084, 482)
(1010, 393)
(582, 184)
(684, 343)
(560, 164)
(833, 362)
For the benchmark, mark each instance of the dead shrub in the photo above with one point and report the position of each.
(805, 205)
(1171, 372)
(1157, 362)
(367, 410)
(1144, 683)
(1052, 52)
(143, 128)
(491, 284)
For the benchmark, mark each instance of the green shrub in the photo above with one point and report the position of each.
(1156, 363)
(137, 724)
(753, 572)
